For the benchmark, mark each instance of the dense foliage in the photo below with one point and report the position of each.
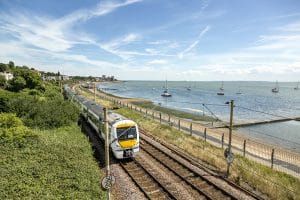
(39, 104)
(39, 110)
(24, 77)
(56, 164)
(43, 154)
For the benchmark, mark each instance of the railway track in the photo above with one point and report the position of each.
(199, 182)
(149, 184)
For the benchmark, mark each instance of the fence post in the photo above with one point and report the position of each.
(179, 124)
(191, 128)
(169, 119)
(205, 134)
(140, 110)
(244, 148)
(153, 114)
(222, 140)
(127, 105)
(159, 117)
(146, 112)
(272, 158)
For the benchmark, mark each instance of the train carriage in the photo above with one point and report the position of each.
(124, 133)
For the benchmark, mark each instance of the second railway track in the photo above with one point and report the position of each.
(199, 183)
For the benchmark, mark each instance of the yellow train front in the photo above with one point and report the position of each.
(124, 136)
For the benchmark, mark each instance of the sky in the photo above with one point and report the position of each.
(194, 40)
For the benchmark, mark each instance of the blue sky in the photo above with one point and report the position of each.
(200, 40)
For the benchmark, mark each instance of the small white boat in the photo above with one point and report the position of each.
(221, 92)
(165, 92)
(276, 88)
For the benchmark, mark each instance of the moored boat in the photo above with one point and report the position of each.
(165, 92)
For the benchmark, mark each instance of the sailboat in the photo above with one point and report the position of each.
(276, 88)
(297, 87)
(221, 92)
(166, 93)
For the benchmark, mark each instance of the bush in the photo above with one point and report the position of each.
(2, 81)
(5, 97)
(12, 128)
(48, 113)
(9, 120)
(17, 83)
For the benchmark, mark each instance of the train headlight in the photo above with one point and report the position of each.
(117, 144)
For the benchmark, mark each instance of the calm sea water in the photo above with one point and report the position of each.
(256, 102)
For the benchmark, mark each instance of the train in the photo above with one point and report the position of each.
(124, 133)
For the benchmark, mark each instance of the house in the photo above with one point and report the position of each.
(7, 75)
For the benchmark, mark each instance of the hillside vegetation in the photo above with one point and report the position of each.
(43, 154)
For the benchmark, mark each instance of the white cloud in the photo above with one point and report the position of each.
(158, 62)
(194, 44)
(56, 34)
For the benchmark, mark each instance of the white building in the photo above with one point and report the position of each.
(7, 75)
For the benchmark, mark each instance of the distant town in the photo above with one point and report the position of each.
(7, 74)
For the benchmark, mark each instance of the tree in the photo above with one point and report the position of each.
(3, 67)
(11, 65)
(32, 78)
(2, 81)
(17, 83)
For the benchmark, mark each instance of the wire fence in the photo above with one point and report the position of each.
(276, 158)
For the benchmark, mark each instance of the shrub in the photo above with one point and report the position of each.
(48, 113)
(5, 97)
(17, 83)
(12, 128)
(9, 120)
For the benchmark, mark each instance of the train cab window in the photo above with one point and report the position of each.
(126, 133)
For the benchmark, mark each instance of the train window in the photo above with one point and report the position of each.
(126, 133)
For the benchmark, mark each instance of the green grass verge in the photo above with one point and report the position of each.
(56, 164)
(172, 112)
(275, 185)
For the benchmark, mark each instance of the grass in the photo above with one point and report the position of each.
(176, 113)
(56, 164)
(276, 185)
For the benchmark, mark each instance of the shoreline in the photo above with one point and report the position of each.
(147, 104)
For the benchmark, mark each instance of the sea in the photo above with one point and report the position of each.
(254, 101)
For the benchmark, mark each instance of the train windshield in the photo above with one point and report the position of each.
(126, 133)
